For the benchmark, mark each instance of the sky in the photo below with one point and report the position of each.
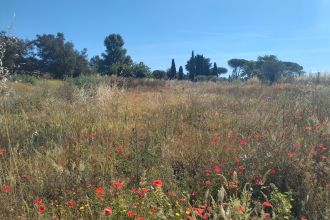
(155, 31)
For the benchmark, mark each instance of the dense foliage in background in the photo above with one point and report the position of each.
(50, 55)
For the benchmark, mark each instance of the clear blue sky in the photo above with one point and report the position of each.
(155, 31)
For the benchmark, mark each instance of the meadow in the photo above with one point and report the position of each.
(147, 149)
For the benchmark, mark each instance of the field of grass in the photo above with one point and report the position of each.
(156, 150)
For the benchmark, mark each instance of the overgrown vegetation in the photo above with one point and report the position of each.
(115, 148)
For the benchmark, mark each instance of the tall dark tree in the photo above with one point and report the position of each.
(191, 67)
(180, 74)
(203, 65)
(237, 65)
(215, 69)
(114, 60)
(59, 57)
(172, 71)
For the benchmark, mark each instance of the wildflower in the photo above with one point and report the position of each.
(107, 211)
(143, 191)
(240, 209)
(231, 185)
(84, 136)
(118, 185)
(194, 193)
(241, 169)
(41, 209)
(208, 183)
(71, 203)
(134, 190)
(100, 193)
(303, 218)
(92, 136)
(291, 154)
(120, 149)
(258, 180)
(242, 142)
(215, 138)
(273, 171)
(308, 128)
(131, 214)
(6, 188)
(237, 159)
(140, 218)
(2, 151)
(322, 147)
(157, 183)
(324, 156)
(267, 204)
(37, 201)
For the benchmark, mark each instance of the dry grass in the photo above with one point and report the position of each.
(61, 142)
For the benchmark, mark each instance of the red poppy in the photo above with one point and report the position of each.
(37, 201)
(258, 180)
(143, 191)
(140, 218)
(41, 209)
(131, 214)
(267, 204)
(240, 209)
(118, 185)
(6, 188)
(273, 171)
(71, 203)
(157, 183)
(322, 147)
(291, 154)
(2, 151)
(107, 211)
(242, 142)
(217, 170)
(92, 136)
(120, 149)
(303, 218)
(100, 193)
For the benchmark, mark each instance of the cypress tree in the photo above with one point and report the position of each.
(180, 74)
(172, 73)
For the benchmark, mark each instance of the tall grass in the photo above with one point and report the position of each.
(245, 145)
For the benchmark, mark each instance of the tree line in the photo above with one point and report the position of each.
(52, 55)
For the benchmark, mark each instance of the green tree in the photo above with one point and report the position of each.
(237, 66)
(114, 60)
(140, 70)
(180, 74)
(59, 57)
(191, 67)
(222, 70)
(215, 69)
(159, 74)
(269, 68)
(172, 71)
